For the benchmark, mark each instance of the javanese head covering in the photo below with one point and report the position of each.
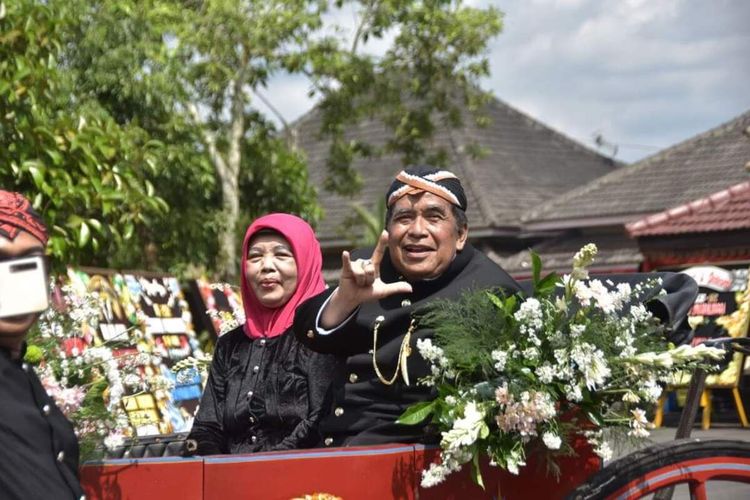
(426, 178)
(17, 214)
(261, 321)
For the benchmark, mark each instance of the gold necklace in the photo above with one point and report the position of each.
(403, 353)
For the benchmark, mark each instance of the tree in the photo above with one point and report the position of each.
(191, 75)
(84, 172)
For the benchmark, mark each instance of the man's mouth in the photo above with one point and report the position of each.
(417, 250)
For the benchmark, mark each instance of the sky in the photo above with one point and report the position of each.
(643, 74)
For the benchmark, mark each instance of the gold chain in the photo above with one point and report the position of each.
(403, 353)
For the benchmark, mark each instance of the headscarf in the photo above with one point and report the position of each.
(17, 214)
(441, 183)
(261, 321)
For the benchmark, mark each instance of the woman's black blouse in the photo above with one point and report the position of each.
(262, 395)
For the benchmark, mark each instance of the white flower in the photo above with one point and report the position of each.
(604, 451)
(573, 393)
(551, 441)
(500, 358)
(114, 440)
(631, 397)
(514, 461)
(546, 373)
(577, 330)
(638, 424)
(591, 363)
(434, 475)
(466, 430)
(531, 353)
(651, 390)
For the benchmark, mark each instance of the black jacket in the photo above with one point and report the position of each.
(365, 409)
(262, 395)
(38, 449)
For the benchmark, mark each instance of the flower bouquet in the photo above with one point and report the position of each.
(514, 374)
(86, 377)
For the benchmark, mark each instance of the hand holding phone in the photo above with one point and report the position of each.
(23, 286)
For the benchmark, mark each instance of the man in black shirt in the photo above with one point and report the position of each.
(38, 448)
(372, 317)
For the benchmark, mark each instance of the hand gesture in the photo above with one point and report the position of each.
(359, 283)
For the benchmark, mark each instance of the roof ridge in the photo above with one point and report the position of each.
(720, 129)
(553, 131)
(711, 201)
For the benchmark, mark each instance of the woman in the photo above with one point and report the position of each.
(265, 391)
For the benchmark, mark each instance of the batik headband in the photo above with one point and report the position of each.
(441, 183)
(17, 214)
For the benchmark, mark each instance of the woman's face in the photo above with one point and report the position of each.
(271, 270)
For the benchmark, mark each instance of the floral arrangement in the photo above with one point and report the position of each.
(87, 378)
(515, 374)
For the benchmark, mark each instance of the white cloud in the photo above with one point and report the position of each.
(642, 72)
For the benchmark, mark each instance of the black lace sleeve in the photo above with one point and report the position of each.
(207, 432)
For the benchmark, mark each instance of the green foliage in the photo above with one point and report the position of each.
(185, 74)
(84, 172)
(364, 226)
(112, 112)
(427, 77)
(417, 413)
(467, 329)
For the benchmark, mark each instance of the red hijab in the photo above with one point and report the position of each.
(260, 321)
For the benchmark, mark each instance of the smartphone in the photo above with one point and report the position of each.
(23, 286)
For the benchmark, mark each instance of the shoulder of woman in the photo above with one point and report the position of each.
(231, 337)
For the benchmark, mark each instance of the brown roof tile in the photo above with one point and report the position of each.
(726, 210)
(526, 164)
(689, 170)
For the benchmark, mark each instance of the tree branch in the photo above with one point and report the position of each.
(361, 27)
(210, 141)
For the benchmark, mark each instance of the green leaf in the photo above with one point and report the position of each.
(510, 305)
(476, 472)
(417, 413)
(547, 285)
(84, 235)
(594, 418)
(497, 301)
(536, 264)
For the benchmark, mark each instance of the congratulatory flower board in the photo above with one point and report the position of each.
(104, 351)
(514, 374)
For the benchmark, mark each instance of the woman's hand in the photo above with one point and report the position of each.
(359, 283)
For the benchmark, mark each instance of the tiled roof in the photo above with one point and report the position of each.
(526, 163)
(679, 174)
(617, 253)
(726, 210)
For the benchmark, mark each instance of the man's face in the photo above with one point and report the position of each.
(422, 236)
(24, 245)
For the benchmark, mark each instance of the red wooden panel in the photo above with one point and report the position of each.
(144, 479)
(372, 472)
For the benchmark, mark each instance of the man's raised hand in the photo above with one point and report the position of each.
(359, 283)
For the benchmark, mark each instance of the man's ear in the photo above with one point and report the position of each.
(463, 235)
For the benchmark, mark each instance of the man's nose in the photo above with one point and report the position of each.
(417, 227)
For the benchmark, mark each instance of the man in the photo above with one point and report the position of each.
(38, 449)
(370, 317)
